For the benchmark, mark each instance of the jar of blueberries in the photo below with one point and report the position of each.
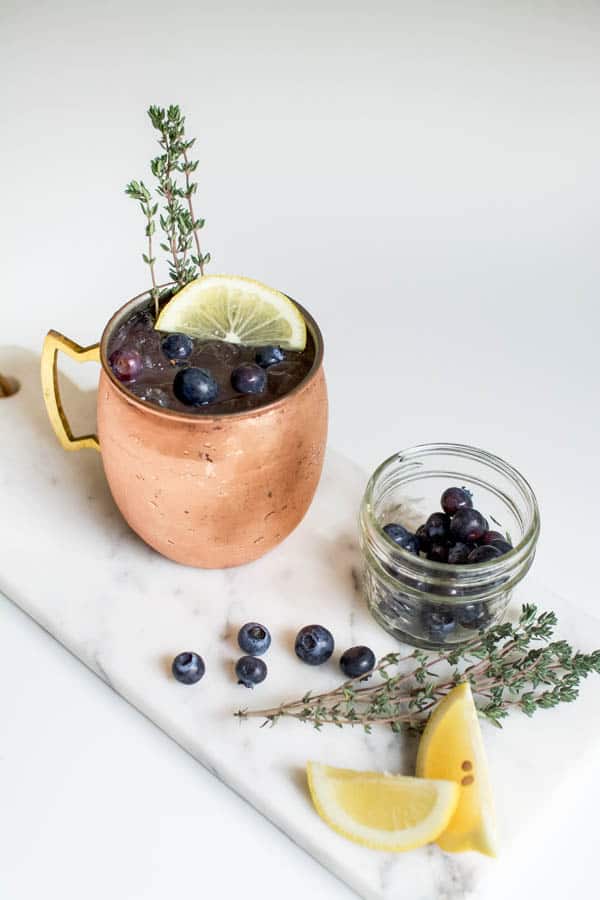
(447, 532)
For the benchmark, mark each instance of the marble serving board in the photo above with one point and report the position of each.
(72, 564)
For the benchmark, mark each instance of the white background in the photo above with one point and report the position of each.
(423, 177)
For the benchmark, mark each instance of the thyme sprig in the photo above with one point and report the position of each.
(172, 169)
(511, 666)
(137, 190)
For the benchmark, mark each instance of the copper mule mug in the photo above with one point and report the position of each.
(204, 490)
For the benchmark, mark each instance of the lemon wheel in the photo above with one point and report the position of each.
(234, 309)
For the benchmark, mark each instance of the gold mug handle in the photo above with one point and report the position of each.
(52, 344)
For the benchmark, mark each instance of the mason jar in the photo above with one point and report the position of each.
(432, 604)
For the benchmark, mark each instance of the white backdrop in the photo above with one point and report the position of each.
(424, 178)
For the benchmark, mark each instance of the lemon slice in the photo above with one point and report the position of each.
(452, 747)
(383, 812)
(235, 309)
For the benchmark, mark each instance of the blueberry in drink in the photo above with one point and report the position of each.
(147, 362)
(177, 347)
(249, 379)
(126, 364)
(195, 387)
(269, 356)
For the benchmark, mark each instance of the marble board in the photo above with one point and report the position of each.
(125, 612)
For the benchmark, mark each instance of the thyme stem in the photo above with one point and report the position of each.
(516, 666)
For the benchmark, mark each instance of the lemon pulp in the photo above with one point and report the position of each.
(234, 309)
(383, 812)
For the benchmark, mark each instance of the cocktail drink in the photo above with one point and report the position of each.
(212, 405)
(204, 374)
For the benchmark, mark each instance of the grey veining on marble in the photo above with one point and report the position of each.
(70, 561)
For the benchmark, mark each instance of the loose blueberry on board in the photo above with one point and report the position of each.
(357, 661)
(455, 498)
(458, 553)
(490, 536)
(249, 379)
(437, 527)
(177, 347)
(250, 671)
(126, 364)
(314, 645)
(502, 545)
(188, 667)
(438, 622)
(484, 553)
(269, 356)
(438, 552)
(467, 526)
(195, 387)
(254, 638)
(422, 539)
(473, 615)
(154, 395)
(401, 536)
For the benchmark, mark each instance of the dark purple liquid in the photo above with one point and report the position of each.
(155, 381)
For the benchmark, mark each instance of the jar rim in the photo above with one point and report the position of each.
(442, 571)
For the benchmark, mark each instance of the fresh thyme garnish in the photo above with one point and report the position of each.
(504, 666)
(172, 170)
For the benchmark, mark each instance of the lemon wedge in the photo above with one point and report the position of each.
(383, 812)
(452, 747)
(235, 309)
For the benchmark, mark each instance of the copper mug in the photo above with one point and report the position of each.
(205, 490)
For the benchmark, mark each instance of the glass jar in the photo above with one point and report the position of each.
(432, 604)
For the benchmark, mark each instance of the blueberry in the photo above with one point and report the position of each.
(401, 536)
(437, 527)
(490, 536)
(473, 615)
(422, 539)
(357, 661)
(467, 525)
(314, 645)
(458, 553)
(269, 356)
(250, 671)
(502, 545)
(438, 622)
(188, 668)
(254, 638)
(195, 387)
(177, 347)
(249, 379)
(455, 498)
(126, 364)
(438, 552)
(484, 553)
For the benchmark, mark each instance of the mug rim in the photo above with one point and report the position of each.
(174, 414)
